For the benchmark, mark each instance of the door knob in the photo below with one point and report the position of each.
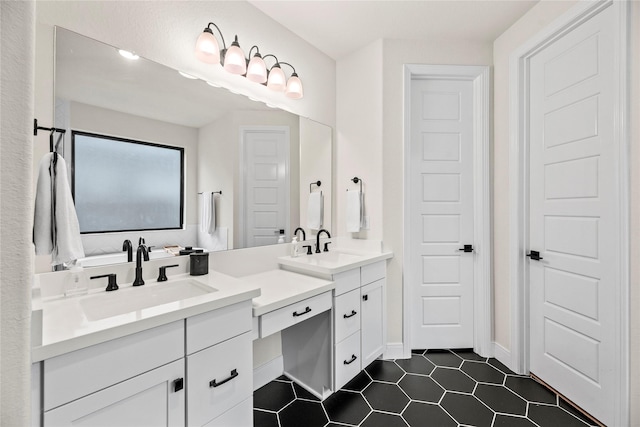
(467, 248)
(535, 255)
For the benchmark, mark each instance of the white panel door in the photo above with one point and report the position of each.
(266, 185)
(573, 216)
(441, 213)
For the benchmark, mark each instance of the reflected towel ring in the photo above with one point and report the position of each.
(318, 183)
(356, 180)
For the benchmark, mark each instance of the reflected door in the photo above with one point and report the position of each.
(573, 218)
(266, 184)
(442, 213)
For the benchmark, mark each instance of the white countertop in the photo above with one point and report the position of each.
(65, 326)
(335, 261)
(281, 288)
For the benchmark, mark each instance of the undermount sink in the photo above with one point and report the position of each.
(325, 263)
(328, 258)
(131, 299)
(117, 258)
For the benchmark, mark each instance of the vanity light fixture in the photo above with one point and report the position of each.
(253, 68)
(127, 54)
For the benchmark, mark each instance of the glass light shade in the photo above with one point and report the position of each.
(294, 87)
(257, 70)
(234, 60)
(207, 48)
(277, 80)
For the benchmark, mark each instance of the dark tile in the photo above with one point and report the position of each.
(385, 397)
(273, 396)
(567, 407)
(419, 414)
(358, 383)
(265, 419)
(496, 364)
(483, 372)
(378, 419)
(443, 358)
(416, 365)
(418, 351)
(303, 413)
(301, 393)
(530, 390)
(509, 421)
(501, 399)
(346, 407)
(384, 370)
(546, 415)
(421, 388)
(468, 354)
(335, 425)
(284, 378)
(467, 409)
(454, 380)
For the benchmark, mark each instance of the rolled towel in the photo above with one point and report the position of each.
(315, 211)
(354, 211)
(208, 216)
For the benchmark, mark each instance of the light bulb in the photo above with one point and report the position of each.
(277, 80)
(294, 87)
(234, 60)
(207, 49)
(257, 70)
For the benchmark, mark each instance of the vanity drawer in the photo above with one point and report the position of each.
(218, 325)
(346, 311)
(347, 360)
(229, 364)
(292, 314)
(373, 272)
(81, 372)
(346, 281)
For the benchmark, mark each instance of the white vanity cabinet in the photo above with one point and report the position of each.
(359, 319)
(195, 371)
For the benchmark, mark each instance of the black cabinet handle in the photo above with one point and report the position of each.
(178, 384)
(353, 359)
(306, 310)
(535, 255)
(213, 383)
(365, 297)
(466, 248)
(353, 313)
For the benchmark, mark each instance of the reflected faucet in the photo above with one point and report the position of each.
(304, 235)
(141, 241)
(140, 253)
(126, 246)
(326, 249)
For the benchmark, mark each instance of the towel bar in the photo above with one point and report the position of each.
(318, 183)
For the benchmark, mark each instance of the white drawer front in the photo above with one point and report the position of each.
(347, 281)
(347, 360)
(346, 312)
(284, 317)
(240, 415)
(81, 372)
(373, 272)
(229, 361)
(218, 325)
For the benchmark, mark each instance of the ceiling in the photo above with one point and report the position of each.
(338, 28)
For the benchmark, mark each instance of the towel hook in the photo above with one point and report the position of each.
(318, 183)
(356, 180)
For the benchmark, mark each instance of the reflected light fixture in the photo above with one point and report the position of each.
(187, 75)
(253, 68)
(127, 54)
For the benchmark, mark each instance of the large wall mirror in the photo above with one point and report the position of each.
(258, 164)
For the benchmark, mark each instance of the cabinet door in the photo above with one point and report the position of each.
(373, 321)
(151, 399)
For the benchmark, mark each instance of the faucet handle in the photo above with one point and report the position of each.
(112, 285)
(326, 246)
(308, 249)
(162, 276)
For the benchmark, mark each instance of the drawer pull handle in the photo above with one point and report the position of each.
(306, 310)
(365, 297)
(178, 384)
(353, 359)
(213, 382)
(353, 313)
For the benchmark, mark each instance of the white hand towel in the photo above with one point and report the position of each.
(208, 217)
(315, 211)
(354, 211)
(55, 228)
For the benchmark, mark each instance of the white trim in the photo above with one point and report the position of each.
(502, 355)
(395, 350)
(483, 303)
(240, 230)
(519, 185)
(264, 374)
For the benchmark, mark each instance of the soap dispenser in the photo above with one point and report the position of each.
(77, 283)
(294, 247)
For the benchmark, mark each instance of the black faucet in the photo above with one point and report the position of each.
(126, 246)
(326, 249)
(304, 235)
(141, 241)
(140, 253)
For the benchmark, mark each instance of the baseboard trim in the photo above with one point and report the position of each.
(268, 372)
(395, 350)
(503, 355)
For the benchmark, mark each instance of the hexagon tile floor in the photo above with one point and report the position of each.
(433, 388)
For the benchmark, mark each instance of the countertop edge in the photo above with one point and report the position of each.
(293, 299)
(304, 268)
